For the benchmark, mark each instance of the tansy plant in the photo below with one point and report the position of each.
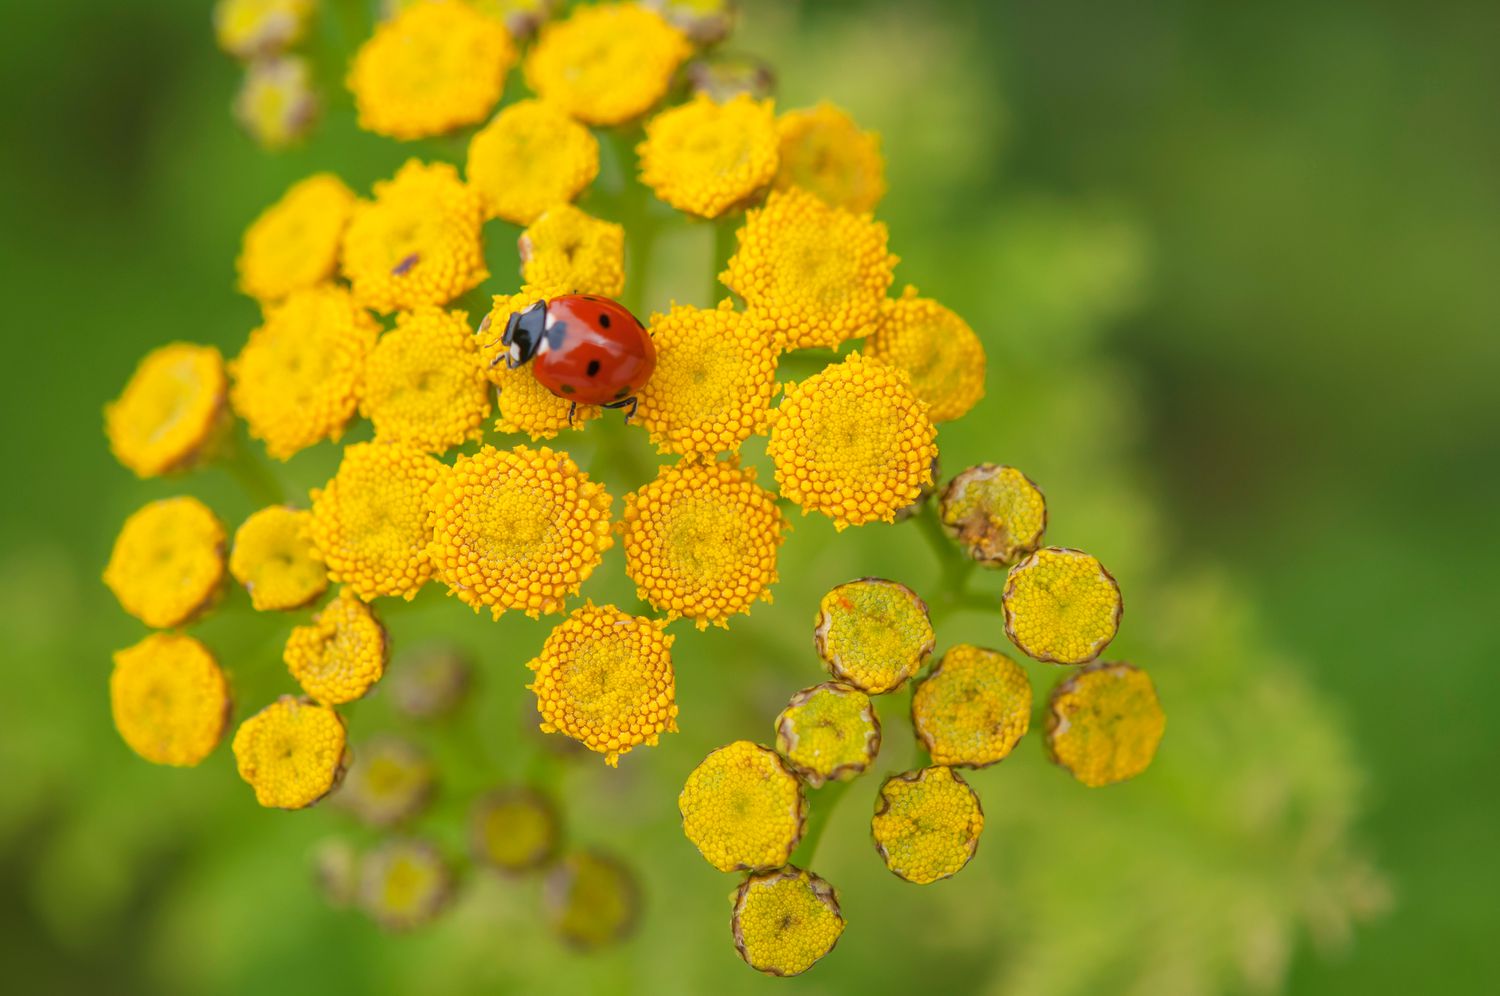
(476, 406)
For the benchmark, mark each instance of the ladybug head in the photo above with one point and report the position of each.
(523, 334)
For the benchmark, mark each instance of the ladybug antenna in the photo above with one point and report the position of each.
(523, 334)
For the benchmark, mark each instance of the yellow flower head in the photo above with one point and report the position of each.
(743, 809)
(370, 521)
(823, 151)
(715, 376)
(591, 899)
(566, 248)
(247, 28)
(606, 63)
(927, 824)
(167, 417)
(430, 680)
(518, 529)
(274, 558)
(169, 698)
(853, 442)
(813, 273)
(995, 513)
(418, 242)
(873, 634)
(432, 68)
(973, 708)
(530, 157)
(276, 103)
(1061, 605)
(297, 380)
(937, 348)
(167, 566)
(785, 920)
(424, 384)
(292, 753)
(404, 884)
(701, 541)
(705, 158)
(703, 21)
(523, 403)
(515, 829)
(389, 781)
(341, 654)
(828, 732)
(1104, 723)
(605, 679)
(294, 243)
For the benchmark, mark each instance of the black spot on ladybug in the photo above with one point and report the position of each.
(593, 368)
(567, 388)
(603, 320)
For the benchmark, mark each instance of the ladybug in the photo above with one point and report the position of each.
(588, 350)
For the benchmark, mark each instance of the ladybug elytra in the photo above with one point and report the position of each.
(586, 349)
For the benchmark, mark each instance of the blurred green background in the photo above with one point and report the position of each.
(1235, 268)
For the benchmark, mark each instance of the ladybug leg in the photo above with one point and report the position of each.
(571, 409)
(631, 402)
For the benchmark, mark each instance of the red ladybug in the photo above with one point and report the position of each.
(587, 349)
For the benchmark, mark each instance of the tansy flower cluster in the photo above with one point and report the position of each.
(478, 412)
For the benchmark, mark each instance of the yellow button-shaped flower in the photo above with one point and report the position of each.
(606, 63)
(276, 103)
(828, 732)
(973, 708)
(404, 883)
(292, 752)
(566, 248)
(389, 781)
(169, 699)
(591, 899)
(274, 558)
(249, 28)
(1104, 723)
(514, 829)
(927, 824)
(424, 383)
(938, 349)
(873, 634)
(341, 654)
(823, 151)
(294, 243)
(605, 679)
(1061, 605)
(706, 157)
(167, 565)
(743, 809)
(167, 417)
(530, 157)
(995, 513)
(785, 920)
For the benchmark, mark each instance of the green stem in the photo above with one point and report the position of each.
(823, 804)
(249, 470)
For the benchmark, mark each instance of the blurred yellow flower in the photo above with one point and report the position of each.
(995, 513)
(294, 243)
(297, 379)
(823, 151)
(167, 565)
(370, 521)
(927, 824)
(341, 654)
(388, 782)
(814, 274)
(701, 541)
(404, 884)
(714, 380)
(973, 708)
(1104, 723)
(785, 920)
(828, 732)
(434, 67)
(936, 348)
(275, 559)
(168, 416)
(418, 242)
(292, 753)
(605, 63)
(873, 634)
(566, 249)
(1061, 605)
(247, 28)
(517, 529)
(852, 442)
(530, 157)
(591, 899)
(706, 158)
(169, 699)
(514, 829)
(276, 103)
(743, 808)
(605, 679)
(424, 384)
